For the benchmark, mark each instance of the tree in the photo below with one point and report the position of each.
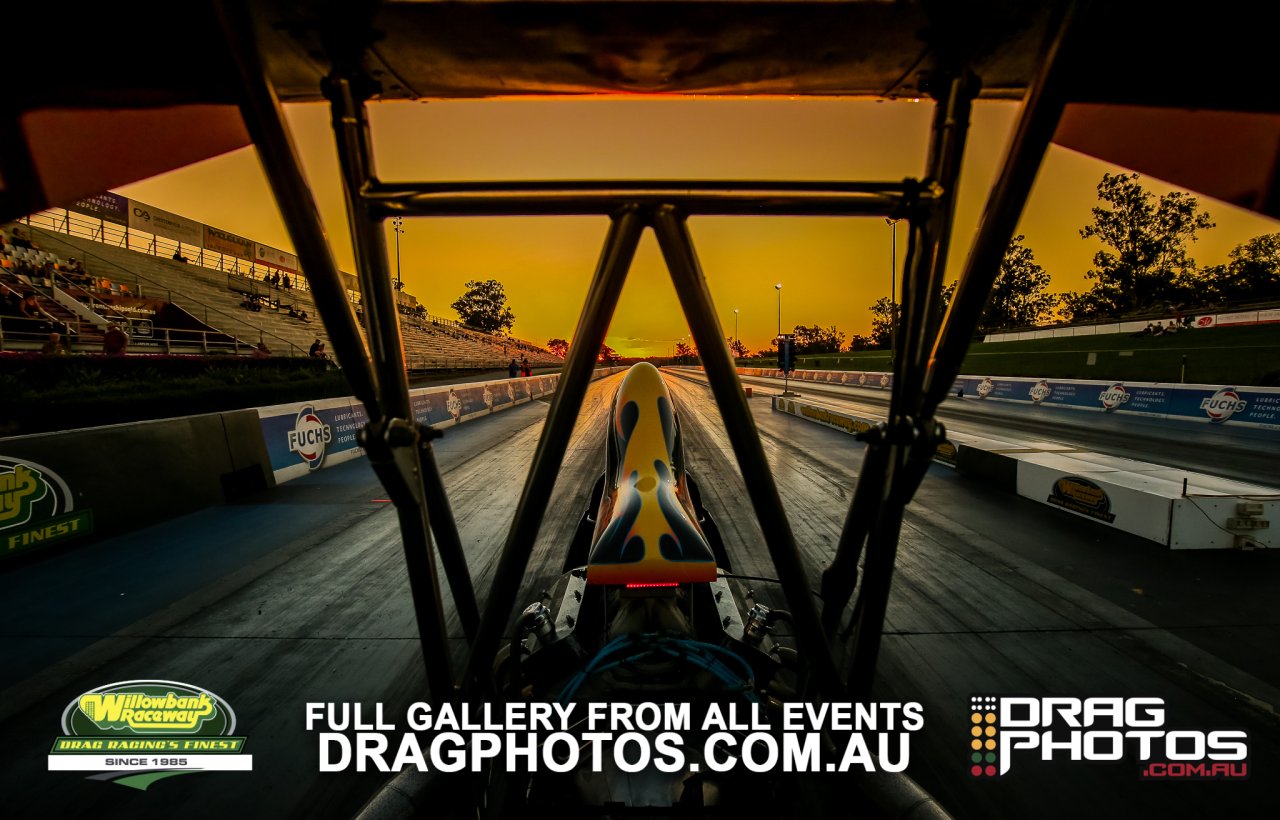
(1251, 275)
(484, 307)
(738, 348)
(608, 356)
(818, 339)
(859, 342)
(1018, 298)
(884, 317)
(559, 347)
(683, 350)
(1145, 264)
(948, 293)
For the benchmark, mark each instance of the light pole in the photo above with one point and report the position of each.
(778, 287)
(735, 330)
(397, 225)
(893, 288)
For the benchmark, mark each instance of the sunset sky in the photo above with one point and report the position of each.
(831, 270)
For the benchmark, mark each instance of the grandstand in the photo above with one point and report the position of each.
(232, 310)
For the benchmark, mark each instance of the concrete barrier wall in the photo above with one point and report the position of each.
(81, 485)
(101, 481)
(310, 436)
(1147, 500)
(1209, 403)
(1201, 320)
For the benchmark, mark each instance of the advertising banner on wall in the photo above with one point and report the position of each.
(1217, 404)
(267, 255)
(108, 207)
(217, 240)
(307, 436)
(312, 435)
(144, 217)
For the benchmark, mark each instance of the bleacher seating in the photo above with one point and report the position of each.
(215, 297)
(202, 292)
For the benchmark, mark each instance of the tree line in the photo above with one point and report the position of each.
(1143, 269)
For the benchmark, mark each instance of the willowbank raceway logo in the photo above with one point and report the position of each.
(309, 437)
(36, 508)
(1099, 730)
(139, 731)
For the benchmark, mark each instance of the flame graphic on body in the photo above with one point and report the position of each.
(647, 534)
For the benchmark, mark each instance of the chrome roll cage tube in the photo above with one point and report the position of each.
(838, 652)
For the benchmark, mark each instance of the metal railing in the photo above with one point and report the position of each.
(23, 334)
(109, 233)
(61, 220)
(125, 276)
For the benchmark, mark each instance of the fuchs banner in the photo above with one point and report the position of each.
(311, 435)
(108, 207)
(1216, 404)
(306, 436)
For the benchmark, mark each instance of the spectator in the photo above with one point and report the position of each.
(512, 369)
(115, 341)
(251, 302)
(524, 366)
(317, 350)
(261, 351)
(302, 314)
(1158, 330)
(288, 285)
(29, 307)
(53, 345)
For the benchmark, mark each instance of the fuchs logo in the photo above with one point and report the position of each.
(309, 437)
(1099, 730)
(1041, 391)
(488, 398)
(862, 378)
(36, 507)
(1113, 397)
(1223, 405)
(884, 380)
(139, 731)
(985, 387)
(454, 405)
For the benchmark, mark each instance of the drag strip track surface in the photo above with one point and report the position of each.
(998, 595)
(319, 611)
(300, 596)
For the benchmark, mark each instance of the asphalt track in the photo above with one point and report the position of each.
(299, 595)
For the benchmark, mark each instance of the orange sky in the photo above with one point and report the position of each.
(831, 270)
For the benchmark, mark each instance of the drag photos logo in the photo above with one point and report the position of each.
(309, 437)
(1099, 730)
(139, 731)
